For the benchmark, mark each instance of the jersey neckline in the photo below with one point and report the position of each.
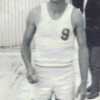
(61, 16)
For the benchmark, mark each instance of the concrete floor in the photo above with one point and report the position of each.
(13, 83)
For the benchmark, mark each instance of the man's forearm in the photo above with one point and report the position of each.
(26, 55)
(83, 63)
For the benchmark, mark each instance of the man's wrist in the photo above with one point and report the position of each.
(29, 67)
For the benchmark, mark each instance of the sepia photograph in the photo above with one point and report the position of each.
(49, 49)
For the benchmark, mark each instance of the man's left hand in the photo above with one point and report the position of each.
(81, 91)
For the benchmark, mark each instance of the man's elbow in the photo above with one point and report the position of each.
(24, 46)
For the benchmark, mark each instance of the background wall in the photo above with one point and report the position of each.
(13, 14)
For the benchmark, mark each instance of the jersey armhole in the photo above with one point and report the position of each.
(72, 21)
(74, 31)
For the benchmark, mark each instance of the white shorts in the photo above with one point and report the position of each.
(58, 81)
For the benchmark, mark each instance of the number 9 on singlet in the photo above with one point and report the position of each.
(65, 34)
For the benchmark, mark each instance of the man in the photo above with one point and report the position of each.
(92, 16)
(51, 25)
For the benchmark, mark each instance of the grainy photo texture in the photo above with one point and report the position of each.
(49, 49)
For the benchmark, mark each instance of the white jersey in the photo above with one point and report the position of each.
(54, 39)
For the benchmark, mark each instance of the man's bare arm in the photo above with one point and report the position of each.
(78, 23)
(32, 22)
(83, 50)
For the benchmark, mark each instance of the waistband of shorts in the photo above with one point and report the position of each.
(56, 66)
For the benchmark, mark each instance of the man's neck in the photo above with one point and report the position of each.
(56, 5)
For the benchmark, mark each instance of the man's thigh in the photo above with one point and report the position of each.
(65, 88)
(95, 56)
(42, 91)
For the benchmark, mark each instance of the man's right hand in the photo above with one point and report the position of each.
(32, 76)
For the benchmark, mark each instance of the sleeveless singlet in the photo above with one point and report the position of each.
(54, 39)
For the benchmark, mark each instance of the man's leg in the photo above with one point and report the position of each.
(95, 66)
(64, 86)
(41, 93)
(65, 92)
(95, 71)
(90, 68)
(42, 90)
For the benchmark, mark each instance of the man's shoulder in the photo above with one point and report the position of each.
(34, 15)
(75, 10)
(76, 13)
(35, 10)
(77, 16)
